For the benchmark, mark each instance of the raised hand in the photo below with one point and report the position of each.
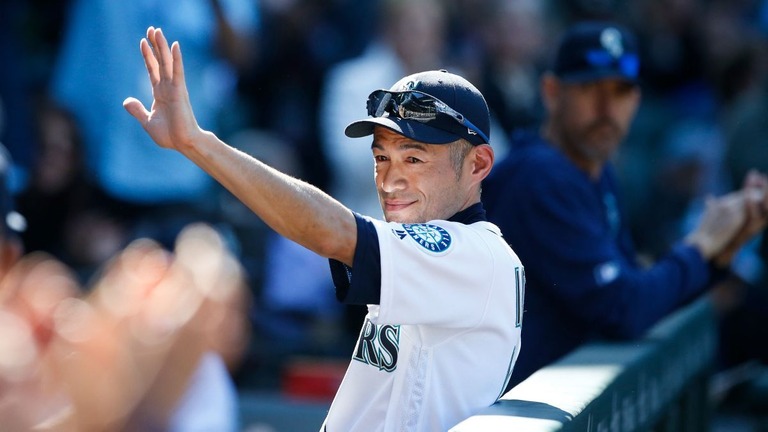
(170, 122)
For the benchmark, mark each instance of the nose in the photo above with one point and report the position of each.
(390, 177)
(603, 100)
(608, 98)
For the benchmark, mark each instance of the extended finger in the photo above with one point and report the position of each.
(178, 65)
(14, 285)
(48, 283)
(18, 350)
(150, 61)
(137, 110)
(128, 278)
(163, 52)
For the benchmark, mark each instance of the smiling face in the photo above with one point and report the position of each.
(419, 182)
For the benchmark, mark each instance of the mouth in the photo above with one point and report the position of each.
(604, 127)
(396, 205)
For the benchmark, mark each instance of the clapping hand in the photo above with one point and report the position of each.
(755, 196)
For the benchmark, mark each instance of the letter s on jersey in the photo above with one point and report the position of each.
(378, 345)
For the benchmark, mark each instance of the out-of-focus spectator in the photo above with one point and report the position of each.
(744, 119)
(29, 39)
(68, 216)
(517, 39)
(300, 40)
(218, 36)
(411, 37)
(688, 168)
(296, 315)
(681, 137)
(556, 199)
(670, 44)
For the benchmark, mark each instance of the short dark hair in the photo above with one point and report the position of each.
(459, 150)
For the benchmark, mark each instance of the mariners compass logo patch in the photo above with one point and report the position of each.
(430, 237)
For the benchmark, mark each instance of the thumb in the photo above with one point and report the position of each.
(136, 109)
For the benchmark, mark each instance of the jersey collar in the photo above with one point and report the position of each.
(470, 215)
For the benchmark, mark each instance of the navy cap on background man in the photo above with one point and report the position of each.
(594, 50)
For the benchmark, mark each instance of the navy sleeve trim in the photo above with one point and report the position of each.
(363, 285)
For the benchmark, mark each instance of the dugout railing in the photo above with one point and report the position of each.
(658, 383)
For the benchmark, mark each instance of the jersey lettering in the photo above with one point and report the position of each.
(520, 294)
(378, 346)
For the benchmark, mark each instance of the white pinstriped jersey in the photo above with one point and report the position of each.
(442, 341)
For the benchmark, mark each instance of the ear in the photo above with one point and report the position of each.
(482, 161)
(550, 89)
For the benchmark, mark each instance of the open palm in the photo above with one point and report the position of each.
(170, 122)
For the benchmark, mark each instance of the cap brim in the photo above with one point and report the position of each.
(412, 129)
(587, 76)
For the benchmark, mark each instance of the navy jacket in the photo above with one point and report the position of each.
(582, 278)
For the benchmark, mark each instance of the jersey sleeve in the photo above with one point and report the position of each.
(439, 273)
(558, 226)
(363, 286)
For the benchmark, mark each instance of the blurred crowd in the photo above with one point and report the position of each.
(279, 79)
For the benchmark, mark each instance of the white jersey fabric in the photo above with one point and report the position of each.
(442, 343)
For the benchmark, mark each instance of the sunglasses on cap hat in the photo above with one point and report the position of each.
(416, 105)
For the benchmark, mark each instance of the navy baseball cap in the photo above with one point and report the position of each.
(593, 50)
(433, 107)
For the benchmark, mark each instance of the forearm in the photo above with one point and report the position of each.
(655, 292)
(293, 208)
(627, 305)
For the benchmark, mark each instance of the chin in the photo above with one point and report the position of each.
(400, 218)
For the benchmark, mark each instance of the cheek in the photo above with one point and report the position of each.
(628, 111)
(440, 194)
(572, 114)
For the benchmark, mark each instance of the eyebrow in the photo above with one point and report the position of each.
(404, 146)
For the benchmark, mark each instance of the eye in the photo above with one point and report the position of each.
(625, 88)
(380, 158)
(414, 160)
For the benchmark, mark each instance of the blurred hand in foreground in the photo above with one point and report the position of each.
(120, 356)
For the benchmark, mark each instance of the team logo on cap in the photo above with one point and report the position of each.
(610, 39)
(431, 237)
(410, 85)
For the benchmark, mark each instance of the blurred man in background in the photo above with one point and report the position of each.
(556, 199)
